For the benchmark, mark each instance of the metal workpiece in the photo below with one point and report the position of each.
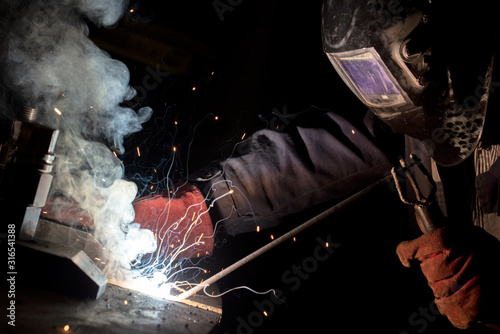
(49, 232)
(60, 284)
(119, 311)
(77, 256)
(74, 253)
(61, 269)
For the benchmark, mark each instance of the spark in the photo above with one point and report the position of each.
(174, 148)
(258, 228)
(272, 237)
(327, 245)
(66, 328)
(176, 122)
(114, 153)
(196, 221)
(58, 111)
(216, 118)
(243, 137)
(265, 313)
(353, 132)
(138, 151)
(132, 10)
(194, 88)
(125, 302)
(212, 73)
(200, 237)
(294, 239)
(164, 264)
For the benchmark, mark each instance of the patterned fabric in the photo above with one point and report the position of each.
(486, 209)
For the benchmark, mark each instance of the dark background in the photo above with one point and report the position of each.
(262, 57)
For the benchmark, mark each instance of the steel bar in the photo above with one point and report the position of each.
(285, 237)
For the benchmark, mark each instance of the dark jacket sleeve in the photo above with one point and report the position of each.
(320, 157)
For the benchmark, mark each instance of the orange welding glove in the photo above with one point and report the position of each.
(462, 268)
(180, 222)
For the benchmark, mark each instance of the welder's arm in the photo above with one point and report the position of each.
(462, 267)
(320, 157)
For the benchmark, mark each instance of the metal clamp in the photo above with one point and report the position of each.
(423, 205)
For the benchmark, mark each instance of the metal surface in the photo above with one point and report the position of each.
(118, 311)
(71, 262)
(76, 251)
(60, 268)
(49, 232)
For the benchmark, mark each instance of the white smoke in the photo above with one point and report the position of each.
(51, 64)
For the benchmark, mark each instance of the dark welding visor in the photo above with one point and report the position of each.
(417, 66)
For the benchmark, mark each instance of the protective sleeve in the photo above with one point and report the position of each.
(320, 157)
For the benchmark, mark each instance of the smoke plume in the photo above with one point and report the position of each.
(50, 64)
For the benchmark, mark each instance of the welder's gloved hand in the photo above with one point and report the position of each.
(462, 268)
(180, 221)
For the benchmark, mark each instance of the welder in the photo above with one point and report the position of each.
(423, 68)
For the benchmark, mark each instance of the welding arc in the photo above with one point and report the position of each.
(285, 237)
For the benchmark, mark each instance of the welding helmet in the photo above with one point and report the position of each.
(424, 67)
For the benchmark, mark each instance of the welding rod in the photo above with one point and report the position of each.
(285, 237)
